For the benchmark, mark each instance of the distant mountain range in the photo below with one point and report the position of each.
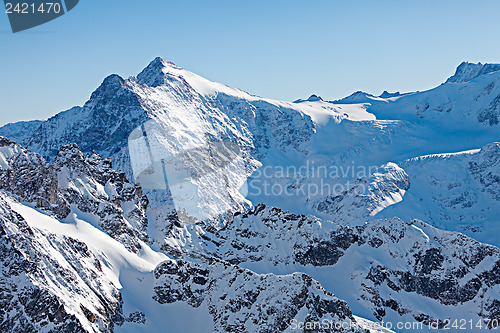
(168, 200)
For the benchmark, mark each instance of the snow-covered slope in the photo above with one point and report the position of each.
(455, 192)
(468, 101)
(61, 276)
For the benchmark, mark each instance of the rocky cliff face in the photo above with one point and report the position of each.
(86, 183)
(29, 176)
(20, 131)
(100, 125)
(485, 168)
(240, 300)
(390, 268)
(50, 282)
(467, 71)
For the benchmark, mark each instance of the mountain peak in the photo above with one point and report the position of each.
(468, 71)
(387, 94)
(356, 97)
(154, 73)
(109, 86)
(312, 98)
(160, 63)
(5, 141)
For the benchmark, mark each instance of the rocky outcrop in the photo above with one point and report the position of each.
(467, 71)
(51, 283)
(29, 176)
(398, 259)
(86, 183)
(91, 185)
(240, 300)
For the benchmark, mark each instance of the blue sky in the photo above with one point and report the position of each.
(282, 49)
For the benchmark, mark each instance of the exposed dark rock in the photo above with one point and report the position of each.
(29, 298)
(267, 302)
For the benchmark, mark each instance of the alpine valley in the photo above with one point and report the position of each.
(170, 203)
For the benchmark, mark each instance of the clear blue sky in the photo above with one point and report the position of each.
(282, 49)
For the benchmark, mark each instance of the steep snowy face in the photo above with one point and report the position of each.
(386, 269)
(467, 71)
(455, 192)
(64, 275)
(192, 113)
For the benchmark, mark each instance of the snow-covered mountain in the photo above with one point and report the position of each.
(467, 71)
(232, 212)
(235, 277)
(191, 112)
(386, 269)
(21, 130)
(75, 260)
(458, 191)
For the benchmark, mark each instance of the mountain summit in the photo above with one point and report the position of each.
(156, 72)
(467, 71)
